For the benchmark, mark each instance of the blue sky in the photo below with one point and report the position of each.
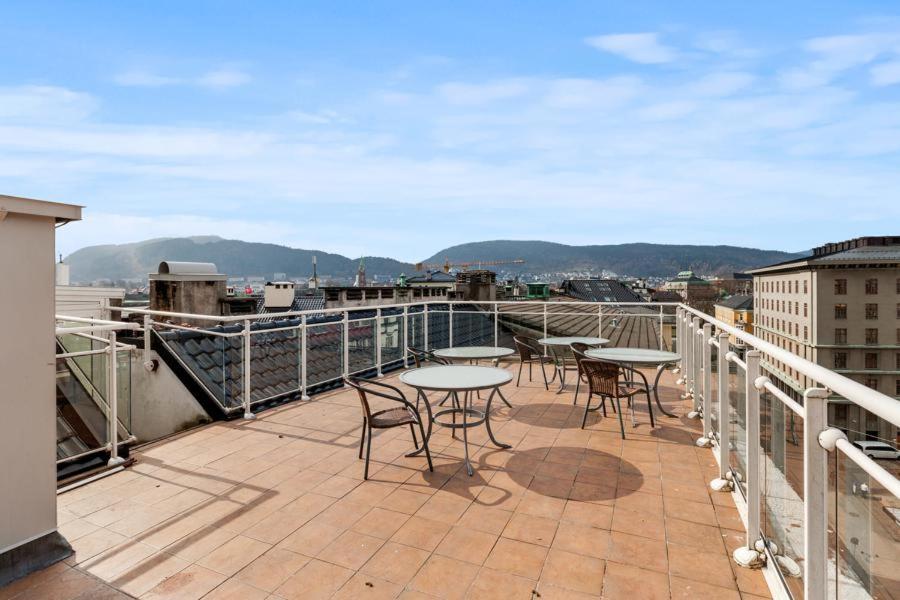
(400, 128)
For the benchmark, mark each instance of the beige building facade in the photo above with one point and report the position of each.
(839, 308)
(28, 536)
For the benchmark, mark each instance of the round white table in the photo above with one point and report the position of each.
(472, 354)
(558, 347)
(456, 379)
(635, 357)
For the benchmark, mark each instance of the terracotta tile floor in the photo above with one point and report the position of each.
(276, 508)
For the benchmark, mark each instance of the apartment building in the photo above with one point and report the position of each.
(736, 311)
(839, 307)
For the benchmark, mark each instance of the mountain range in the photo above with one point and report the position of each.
(239, 258)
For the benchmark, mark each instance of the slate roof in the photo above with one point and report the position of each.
(737, 302)
(599, 290)
(217, 361)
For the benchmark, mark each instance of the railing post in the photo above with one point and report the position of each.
(815, 495)
(688, 347)
(722, 483)
(304, 394)
(600, 320)
(345, 343)
(450, 318)
(545, 327)
(112, 399)
(705, 440)
(496, 325)
(696, 366)
(661, 323)
(246, 335)
(425, 326)
(148, 331)
(378, 341)
(751, 554)
(405, 336)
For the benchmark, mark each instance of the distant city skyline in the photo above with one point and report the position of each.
(400, 129)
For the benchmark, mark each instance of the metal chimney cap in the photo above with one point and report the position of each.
(168, 267)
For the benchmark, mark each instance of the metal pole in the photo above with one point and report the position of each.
(246, 335)
(345, 345)
(378, 341)
(751, 555)
(425, 326)
(722, 483)
(148, 324)
(545, 327)
(696, 364)
(450, 317)
(815, 495)
(496, 325)
(405, 336)
(661, 328)
(304, 394)
(705, 441)
(112, 398)
(599, 320)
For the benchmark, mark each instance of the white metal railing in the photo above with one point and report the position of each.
(741, 456)
(539, 316)
(108, 402)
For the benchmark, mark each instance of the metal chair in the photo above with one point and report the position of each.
(603, 380)
(578, 350)
(406, 414)
(530, 351)
(425, 356)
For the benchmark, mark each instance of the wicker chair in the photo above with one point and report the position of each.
(603, 380)
(579, 349)
(405, 414)
(530, 351)
(425, 356)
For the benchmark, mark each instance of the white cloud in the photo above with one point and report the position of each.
(721, 84)
(642, 48)
(44, 103)
(593, 93)
(221, 78)
(473, 93)
(140, 78)
(224, 78)
(837, 54)
(887, 73)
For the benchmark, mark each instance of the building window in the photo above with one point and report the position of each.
(898, 285)
(805, 286)
(898, 310)
(840, 336)
(840, 311)
(871, 286)
(806, 309)
(871, 336)
(840, 287)
(840, 360)
(871, 311)
(796, 308)
(871, 382)
(805, 333)
(897, 388)
(871, 360)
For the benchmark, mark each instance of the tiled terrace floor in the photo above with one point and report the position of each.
(276, 508)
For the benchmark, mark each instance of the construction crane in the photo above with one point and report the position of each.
(465, 265)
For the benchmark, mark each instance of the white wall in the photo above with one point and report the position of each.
(27, 376)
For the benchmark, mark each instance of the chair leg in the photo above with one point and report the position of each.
(362, 438)
(544, 373)
(577, 385)
(529, 370)
(587, 408)
(425, 444)
(603, 404)
(412, 430)
(650, 410)
(368, 453)
(519, 378)
(619, 414)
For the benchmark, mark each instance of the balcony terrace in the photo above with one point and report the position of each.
(276, 507)
(746, 492)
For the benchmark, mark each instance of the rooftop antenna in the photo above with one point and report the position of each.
(315, 277)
